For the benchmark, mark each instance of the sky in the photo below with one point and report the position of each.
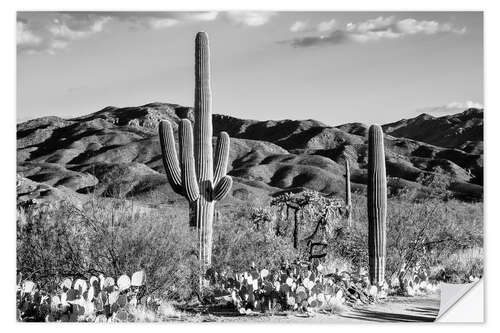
(336, 67)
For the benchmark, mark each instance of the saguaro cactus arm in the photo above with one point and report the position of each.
(188, 173)
(221, 156)
(169, 156)
(222, 188)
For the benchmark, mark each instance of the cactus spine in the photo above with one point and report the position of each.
(195, 178)
(377, 205)
(348, 202)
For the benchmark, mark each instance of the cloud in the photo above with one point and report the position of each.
(452, 107)
(249, 18)
(411, 26)
(299, 26)
(163, 20)
(302, 26)
(50, 32)
(71, 29)
(326, 25)
(202, 16)
(26, 37)
(336, 37)
(161, 23)
(379, 28)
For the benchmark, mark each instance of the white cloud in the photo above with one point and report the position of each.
(249, 18)
(299, 26)
(55, 45)
(376, 24)
(326, 25)
(452, 107)
(412, 26)
(25, 36)
(61, 29)
(202, 16)
(373, 30)
(53, 31)
(160, 23)
(465, 105)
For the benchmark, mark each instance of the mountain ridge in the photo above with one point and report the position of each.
(116, 150)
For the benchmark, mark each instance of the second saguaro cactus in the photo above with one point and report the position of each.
(377, 205)
(195, 177)
(348, 201)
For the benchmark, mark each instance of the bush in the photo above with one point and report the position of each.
(113, 238)
(348, 247)
(420, 235)
(239, 242)
(460, 267)
(109, 238)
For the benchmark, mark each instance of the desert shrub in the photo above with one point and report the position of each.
(348, 246)
(238, 242)
(421, 235)
(460, 267)
(307, 217)
(334, 264)
(436, 185)
(109, 238)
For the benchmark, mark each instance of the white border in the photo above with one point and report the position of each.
(8, 123)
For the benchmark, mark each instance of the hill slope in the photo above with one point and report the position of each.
(115, 152)
(462, 131)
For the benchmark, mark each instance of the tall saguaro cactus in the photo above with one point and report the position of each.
(195, 176)
(377, 205)
(348, 202)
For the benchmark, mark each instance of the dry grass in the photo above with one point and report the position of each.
(462, 266)
(334, 305)
(430, 236)
(336, 265)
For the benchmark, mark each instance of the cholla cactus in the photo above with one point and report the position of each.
(377, 205)
(196, 178)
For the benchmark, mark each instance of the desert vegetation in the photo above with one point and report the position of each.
(428, 242)
(107, 256)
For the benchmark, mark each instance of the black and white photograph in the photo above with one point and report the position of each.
(247, 166)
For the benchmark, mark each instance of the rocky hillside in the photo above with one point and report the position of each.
(462, 131)
(115, 152)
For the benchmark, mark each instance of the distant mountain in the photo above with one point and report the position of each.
(462, 131)
(116, 152)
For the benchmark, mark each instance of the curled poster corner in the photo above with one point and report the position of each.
(462, 303)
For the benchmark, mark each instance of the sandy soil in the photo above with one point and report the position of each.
(393, 309)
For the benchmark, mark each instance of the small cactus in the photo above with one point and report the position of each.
(377, 205)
